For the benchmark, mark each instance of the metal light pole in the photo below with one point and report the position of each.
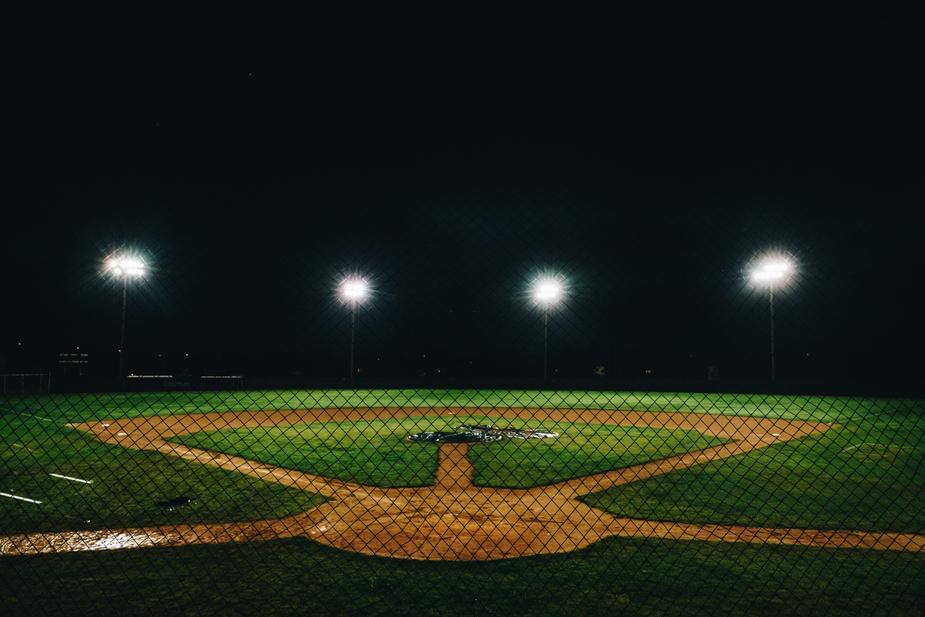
(772, 271)
(545, 344)
(771, 312)
(124, 267)
(547, 292)
(352, 291)
(353, 338)
(122, 331)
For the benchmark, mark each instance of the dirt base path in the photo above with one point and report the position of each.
(453, 519)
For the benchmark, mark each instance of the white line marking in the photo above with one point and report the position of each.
(58, 475)
(19, 498)
(32, 415)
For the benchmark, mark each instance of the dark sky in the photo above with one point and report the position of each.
(450, 153)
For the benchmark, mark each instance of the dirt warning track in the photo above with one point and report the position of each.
(453, 519)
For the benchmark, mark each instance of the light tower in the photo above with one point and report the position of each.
(352, 291)
(547, 291)
(125, 267)
(772, 271)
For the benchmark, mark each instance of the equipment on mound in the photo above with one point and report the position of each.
(482, 434)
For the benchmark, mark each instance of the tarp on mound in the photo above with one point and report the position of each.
(481, 434)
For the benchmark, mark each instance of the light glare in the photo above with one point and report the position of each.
(126, 266)
(772, 270)
(354, 289)
(548, 291)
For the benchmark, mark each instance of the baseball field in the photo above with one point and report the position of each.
(262, 502)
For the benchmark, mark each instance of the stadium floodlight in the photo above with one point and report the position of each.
(125, 267)
(772, 271)
(353, 290)
(547, 291)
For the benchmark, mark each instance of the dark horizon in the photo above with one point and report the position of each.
(450, 155)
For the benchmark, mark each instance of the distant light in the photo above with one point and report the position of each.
(548, 291)
(353, 289)
(772, 270)
(126, 266)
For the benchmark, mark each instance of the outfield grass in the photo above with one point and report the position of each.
(613, 577)
(376, 452)
(126, 486)
(98, 406)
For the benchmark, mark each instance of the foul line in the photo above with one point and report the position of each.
(72, 479)
(11, 496)
(32, 415)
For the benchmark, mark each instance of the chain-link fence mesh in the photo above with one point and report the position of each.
(633, 325)
(578, 448)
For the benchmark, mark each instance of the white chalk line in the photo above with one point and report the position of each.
(32, 415)
(11, 496)
(878, 446)
(71, 478)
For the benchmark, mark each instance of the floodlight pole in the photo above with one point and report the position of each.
(545, 343)
(771, 311)
(353, 328)
(122, 333)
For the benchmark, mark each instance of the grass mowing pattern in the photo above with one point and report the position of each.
(126, 485)
(376, 452)
(99, 406)
(614, 577)
(870, 477)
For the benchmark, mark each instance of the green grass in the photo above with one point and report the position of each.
(97, 406)
(613, 577)
(868, 475)
(580, 450)
(375, 452)
(126, 484)
(369, 452)
(813, 482)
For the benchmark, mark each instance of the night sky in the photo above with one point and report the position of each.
(450, 154)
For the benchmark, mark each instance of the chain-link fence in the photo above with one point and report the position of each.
(461, 501)
(669, 478)
(449, 310)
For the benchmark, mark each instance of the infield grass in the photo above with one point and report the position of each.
(376, 452)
